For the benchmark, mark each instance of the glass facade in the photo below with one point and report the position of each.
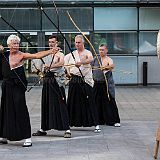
(149, 18)
(82, 17)
(115, 18)
(119, 43)
(22, 19)
(129, 28)
(125, 69)
(147, 43)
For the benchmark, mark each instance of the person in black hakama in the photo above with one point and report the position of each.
(107, 107)
(80, 102)
(54, 114)
(14, 116)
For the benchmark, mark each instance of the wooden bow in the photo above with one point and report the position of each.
(94, 51)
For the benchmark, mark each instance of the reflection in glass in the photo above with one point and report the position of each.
(147, 43)
(118, 43)
(149, 18)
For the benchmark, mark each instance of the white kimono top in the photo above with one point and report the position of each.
(85, 69)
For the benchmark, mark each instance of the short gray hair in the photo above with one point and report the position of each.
(81, 37)
(13, 37)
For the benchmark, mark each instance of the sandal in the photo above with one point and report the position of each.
(39, 133)
(27, 144)
(97, 130)
(67, 135)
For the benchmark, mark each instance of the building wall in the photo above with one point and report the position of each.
(153, 69)
(130, 32)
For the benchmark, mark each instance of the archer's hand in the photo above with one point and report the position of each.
(78, 64)
(68, 75)
(107, 67)
(46, 67)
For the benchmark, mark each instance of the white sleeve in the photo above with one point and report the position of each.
(66, 59)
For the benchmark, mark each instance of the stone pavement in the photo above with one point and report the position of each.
(139, 109)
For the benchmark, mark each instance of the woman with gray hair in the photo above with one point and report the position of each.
(14, 116)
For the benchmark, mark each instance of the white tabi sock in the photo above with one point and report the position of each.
(28, 140)
(69, 131)
(97, 127)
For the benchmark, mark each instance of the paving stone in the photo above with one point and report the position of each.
(139, 109)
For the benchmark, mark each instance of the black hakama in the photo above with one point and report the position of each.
(80, 103)
(54, 114)
(14, 116)
(107, 107)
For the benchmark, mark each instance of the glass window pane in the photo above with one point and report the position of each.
(147, 43)
(153, 76)
(125, 71)
(115, 18)
(118, 43)
(81, 16)
(149, 18)
(21, 19)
